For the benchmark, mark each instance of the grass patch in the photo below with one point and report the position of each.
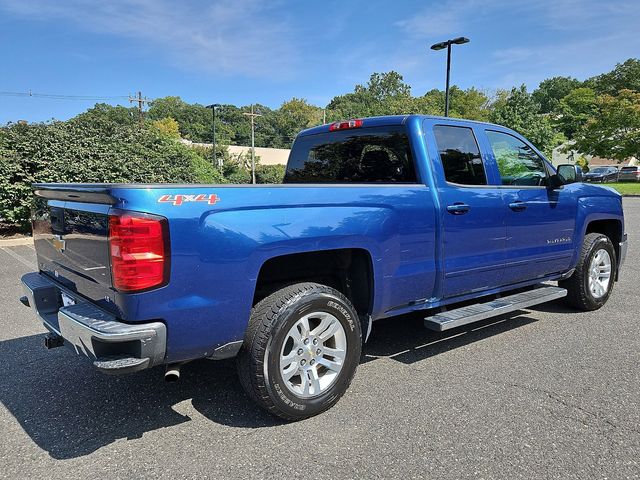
(626, 188)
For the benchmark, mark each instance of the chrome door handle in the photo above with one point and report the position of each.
(458, 208)
(518, 206)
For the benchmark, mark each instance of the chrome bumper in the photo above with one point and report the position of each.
(114, 346)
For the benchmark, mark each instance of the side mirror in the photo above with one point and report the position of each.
(568, 173)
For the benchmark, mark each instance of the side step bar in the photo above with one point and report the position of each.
(480, 311)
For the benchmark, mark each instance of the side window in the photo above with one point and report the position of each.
(517, 162)
(460, 155)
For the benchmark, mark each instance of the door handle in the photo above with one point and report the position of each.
(518, 206)
(458, 208)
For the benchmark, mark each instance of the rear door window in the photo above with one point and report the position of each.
(460, 155)
(364, 155)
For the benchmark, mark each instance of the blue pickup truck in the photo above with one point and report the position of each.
(377, 217)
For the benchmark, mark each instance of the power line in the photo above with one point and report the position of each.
(54, 96)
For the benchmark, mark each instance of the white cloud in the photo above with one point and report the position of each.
(433, 21)
(557, 37)
(228, 36)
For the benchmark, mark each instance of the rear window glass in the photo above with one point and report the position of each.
(460, 155)
(629, 169)
(366, 155)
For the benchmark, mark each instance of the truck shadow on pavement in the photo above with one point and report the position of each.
(70, 410)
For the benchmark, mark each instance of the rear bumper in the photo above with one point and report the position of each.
(113, 346)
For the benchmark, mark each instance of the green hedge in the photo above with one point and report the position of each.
(96, 147)
(89, 150)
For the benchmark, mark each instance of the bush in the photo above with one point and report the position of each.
(89, 148)
(270, 173)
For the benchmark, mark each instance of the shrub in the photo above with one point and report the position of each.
(89, 148)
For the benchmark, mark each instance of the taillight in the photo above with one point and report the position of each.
(139, 251)
(345, 125)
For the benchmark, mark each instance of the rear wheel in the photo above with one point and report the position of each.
(590, 285)
(301, 350)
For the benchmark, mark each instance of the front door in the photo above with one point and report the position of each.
(473, 216)
(540, 221)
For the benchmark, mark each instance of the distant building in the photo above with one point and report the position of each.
(268, 156)
(560, 156)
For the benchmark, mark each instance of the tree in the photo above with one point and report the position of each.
(384, 94)
(104, 114)
(519, 112)
(625, 76)
(575, 109)
(471, 103)
(552, 90)
(292, 116)
(614, 130)
(583, 163)
(168, 127)
(194, 119)
(382, 86)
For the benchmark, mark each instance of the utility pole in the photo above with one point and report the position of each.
(140, 101)
(253, 143)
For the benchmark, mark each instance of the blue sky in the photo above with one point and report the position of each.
(245, 51)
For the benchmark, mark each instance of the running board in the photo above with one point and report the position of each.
(480, 311)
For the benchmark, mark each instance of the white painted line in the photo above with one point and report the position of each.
(20, 258)
(16, 242)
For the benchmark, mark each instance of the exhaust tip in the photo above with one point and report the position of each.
(172, 374)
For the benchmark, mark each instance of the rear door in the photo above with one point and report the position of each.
(472, 210)
(540, 221)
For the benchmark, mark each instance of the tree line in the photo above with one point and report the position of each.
(600, 116)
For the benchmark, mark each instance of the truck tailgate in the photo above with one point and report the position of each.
(72, 244)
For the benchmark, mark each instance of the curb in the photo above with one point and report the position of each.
(632, 195)
(16, 242)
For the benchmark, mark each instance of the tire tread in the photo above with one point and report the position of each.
(250, 359)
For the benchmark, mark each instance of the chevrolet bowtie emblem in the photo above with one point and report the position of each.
(58, 243)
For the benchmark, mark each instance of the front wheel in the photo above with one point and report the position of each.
(301, 350)
(591, 284)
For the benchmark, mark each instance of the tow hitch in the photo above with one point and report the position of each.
(53, 341)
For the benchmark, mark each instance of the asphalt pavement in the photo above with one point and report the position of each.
(543, 393)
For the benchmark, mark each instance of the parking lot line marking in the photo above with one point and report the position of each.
(20, 258)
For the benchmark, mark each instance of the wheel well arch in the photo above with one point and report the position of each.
(348, 270)
(612, 228)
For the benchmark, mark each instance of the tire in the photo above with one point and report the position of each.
(269, 337)
(579, 293)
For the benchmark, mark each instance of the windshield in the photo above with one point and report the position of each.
(363, 155)
(599, 170)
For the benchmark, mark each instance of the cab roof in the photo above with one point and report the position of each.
(390, 120)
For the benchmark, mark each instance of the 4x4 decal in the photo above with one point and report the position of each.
(179, 199)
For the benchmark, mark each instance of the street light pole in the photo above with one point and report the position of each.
(213, 111)
(447, 44)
